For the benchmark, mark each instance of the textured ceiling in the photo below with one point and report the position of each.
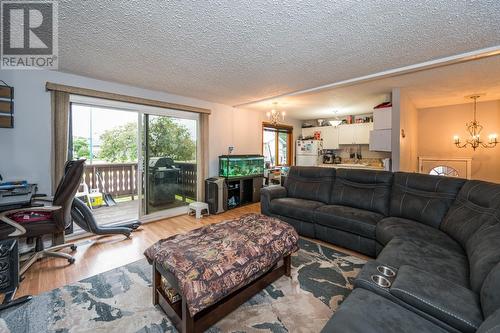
(447, 85)
(233, 52)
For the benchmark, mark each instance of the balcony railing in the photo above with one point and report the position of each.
(120, 179)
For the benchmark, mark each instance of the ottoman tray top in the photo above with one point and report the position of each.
(213, 261)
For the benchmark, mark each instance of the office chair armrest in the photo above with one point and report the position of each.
(20, 230)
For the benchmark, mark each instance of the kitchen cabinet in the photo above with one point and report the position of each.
(308, 132)
(358, 134)
(382, 119)
(380, 137)
(329, 135)
(380, 140)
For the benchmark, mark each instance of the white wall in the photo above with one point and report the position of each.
(25, 150)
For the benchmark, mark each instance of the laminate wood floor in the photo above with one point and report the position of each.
(99, 254)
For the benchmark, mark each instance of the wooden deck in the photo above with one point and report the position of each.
(127, 211)
(123, 211)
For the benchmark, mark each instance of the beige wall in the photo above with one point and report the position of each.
(437, 126)
(404, 118)
(408, 159)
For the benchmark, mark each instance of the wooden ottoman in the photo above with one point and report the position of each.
(212, 270)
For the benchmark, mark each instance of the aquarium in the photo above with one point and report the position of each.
(237, 166)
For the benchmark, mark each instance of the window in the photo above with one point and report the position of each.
(444, 170)
(277, 145)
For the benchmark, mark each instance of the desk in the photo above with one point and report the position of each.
(17, 198)
(9, 252)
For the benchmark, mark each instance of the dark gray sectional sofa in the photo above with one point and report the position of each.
(440, 237)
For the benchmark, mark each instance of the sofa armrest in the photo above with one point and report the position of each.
(267, 194)
(445, 300)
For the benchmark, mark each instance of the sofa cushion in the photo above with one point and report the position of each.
(391, 227)
(483, 251)
(357, 221)
(451, 303)
(303, 228)
(435, 258)
(477, 203)
(364, 311)
(423, 198)
(364, 189)
(346, 239)
(490, 292)
(297, 208)
(310, 183)
(491, 324)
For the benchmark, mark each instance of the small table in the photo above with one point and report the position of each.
(235, 254)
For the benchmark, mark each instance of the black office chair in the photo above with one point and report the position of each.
(53, 220)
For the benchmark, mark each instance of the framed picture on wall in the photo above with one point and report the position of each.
(6, 105)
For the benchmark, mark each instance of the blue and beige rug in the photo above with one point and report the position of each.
(120, 300)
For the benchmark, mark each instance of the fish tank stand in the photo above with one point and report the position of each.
(243, 191)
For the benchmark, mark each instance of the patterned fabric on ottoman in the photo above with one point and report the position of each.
(211, 262)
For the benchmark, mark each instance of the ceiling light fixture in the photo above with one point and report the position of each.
(474, 129)
(274, 115)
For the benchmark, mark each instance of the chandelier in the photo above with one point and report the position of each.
(474, 129)
(275, 116)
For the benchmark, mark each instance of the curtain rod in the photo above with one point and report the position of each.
(50, 86)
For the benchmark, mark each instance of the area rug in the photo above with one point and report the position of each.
(120, 300)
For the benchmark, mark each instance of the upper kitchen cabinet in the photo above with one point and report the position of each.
(329, 135)
(382, 119)
(309, 131)
(381, 136)
(358, 134)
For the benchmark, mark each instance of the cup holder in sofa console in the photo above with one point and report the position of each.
(386, 271)
(381, 281)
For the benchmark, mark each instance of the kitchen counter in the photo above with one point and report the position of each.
(351, 166)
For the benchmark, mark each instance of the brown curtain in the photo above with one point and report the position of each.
(60, 130)
(204, 158)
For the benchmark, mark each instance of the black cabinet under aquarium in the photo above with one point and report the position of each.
(239, 166)
(244, 178)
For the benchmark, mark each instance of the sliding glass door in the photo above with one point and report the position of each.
(141, 161)
(169, 162)
(107, 139)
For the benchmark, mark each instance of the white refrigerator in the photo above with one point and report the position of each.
(308, 152)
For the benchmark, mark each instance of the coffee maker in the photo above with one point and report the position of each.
(328, 157)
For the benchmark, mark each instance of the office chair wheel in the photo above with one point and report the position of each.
(71, 260)
(73, 247)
